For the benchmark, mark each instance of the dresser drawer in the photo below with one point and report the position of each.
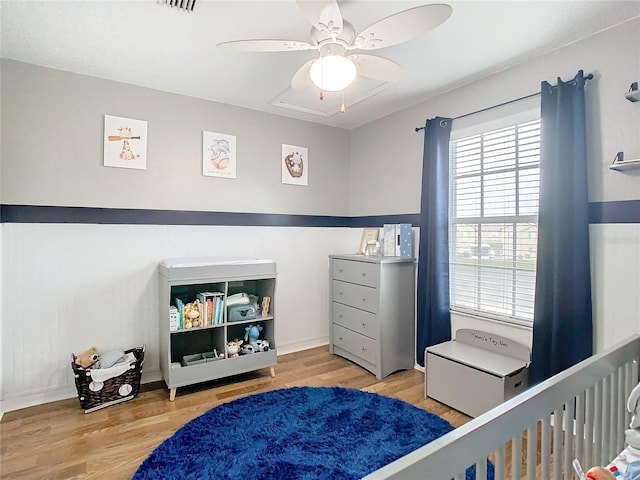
(362, 273)
(354, 343)
(357, 320)
(364, 298)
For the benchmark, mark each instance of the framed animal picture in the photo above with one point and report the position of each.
(218, 155)
(295, 165)
(125, 142)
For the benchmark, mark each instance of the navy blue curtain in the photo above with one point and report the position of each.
(562, 324)
(434, 322)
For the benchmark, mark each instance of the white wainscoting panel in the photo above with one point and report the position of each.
(1, 363)
(615, 274)
(67, 287)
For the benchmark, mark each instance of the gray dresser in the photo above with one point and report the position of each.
(372, 312)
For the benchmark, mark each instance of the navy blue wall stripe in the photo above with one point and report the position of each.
(123, 216)
(627, 211)
(52, 214)
(599, 212)
(379, 220)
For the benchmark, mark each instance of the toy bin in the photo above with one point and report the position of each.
(95, 394)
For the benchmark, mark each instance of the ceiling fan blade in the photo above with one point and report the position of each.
(301, 78)
(403, 26)
(323, 14)
(266, 45)
(378, 68)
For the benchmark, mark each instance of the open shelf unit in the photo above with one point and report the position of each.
(200, 354)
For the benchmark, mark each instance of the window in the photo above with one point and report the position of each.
(493, 221)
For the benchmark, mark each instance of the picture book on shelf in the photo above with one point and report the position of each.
(219, 309)
(208, 301)
(180, 307)
(173, 319)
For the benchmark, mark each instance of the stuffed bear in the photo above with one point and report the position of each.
(88, 358)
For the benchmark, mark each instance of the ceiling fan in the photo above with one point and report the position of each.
(339, 60)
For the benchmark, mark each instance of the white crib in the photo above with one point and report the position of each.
(586, 402)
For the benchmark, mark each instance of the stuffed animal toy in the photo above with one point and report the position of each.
(632, 435)
(88, 358)
(255, 345)
(233, 346)
(260, 346)
(192, 314)
(252, 334)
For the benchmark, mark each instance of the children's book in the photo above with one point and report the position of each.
(180, 307)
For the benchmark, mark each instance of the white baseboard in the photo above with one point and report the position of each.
(63, 393)
(283, 349)
(38, 398)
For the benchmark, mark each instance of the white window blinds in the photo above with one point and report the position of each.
(493, 221)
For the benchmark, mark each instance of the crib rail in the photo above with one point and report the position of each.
(579, 413)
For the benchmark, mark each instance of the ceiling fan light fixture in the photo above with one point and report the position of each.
(332, 73)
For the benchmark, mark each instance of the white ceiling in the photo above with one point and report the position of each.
(149, 44)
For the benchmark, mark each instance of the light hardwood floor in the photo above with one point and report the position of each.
(59, 441)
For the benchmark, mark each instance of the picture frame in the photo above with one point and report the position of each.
(218, 155)
(125, 142)
(368, 234)
(295, 165)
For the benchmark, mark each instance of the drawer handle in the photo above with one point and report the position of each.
(339, 338)
(339, 293)
(364, 274)
(364, 324)
(364, 349)
(364, 299)
(340, 270)
(340, 315)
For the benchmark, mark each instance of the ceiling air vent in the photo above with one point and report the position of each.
(184, 5)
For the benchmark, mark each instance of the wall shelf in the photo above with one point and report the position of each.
(625, 164)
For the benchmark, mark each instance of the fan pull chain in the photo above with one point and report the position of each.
(321, 95)
(342, 108)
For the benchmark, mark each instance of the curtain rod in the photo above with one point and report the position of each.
(587, 77)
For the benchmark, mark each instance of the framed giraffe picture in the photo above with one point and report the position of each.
(125, 142)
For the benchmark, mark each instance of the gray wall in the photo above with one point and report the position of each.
(52, 152)
(386, 158)
(386, 155)
(96, 285)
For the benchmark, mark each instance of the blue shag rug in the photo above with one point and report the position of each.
(301, 433)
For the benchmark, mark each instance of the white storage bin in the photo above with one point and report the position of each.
(476, 371)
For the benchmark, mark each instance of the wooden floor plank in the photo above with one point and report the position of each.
(58, 441)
